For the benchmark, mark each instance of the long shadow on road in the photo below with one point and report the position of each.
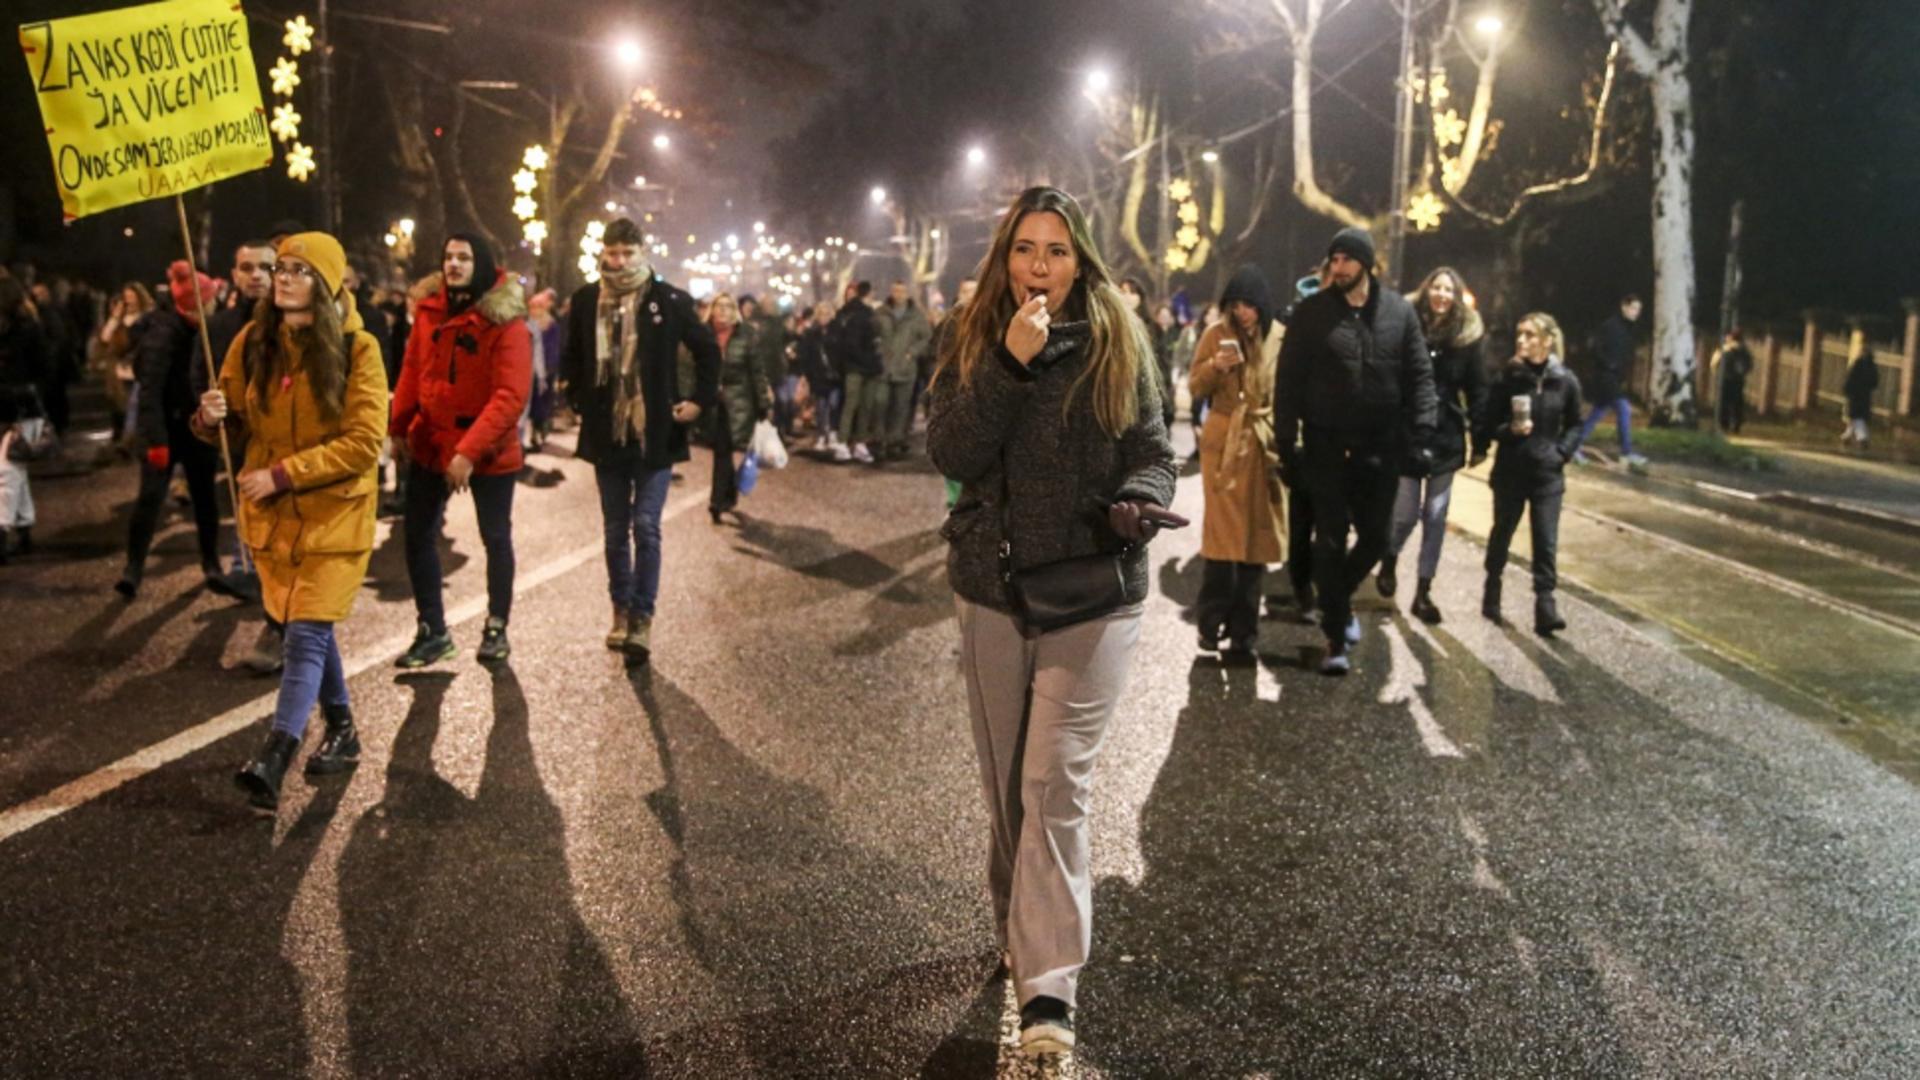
(466, 954)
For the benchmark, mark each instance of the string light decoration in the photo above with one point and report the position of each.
(591, 245)
(285, 79)
(1179, 254)
(525, 207)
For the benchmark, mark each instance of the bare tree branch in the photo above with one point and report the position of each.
(1566, 183)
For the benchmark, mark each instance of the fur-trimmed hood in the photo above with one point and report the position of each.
(502, 304)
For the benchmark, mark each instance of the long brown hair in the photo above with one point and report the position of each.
(1117, 350)
(1441, 329)
(323, 352)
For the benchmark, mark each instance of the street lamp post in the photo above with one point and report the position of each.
(1402, 148)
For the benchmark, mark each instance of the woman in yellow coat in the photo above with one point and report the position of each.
(308, 387)
(1245, 524)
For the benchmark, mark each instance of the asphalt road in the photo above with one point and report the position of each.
(1481, 855)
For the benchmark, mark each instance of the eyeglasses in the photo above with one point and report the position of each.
(292, 271)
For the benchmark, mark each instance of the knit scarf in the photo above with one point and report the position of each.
(616, 348)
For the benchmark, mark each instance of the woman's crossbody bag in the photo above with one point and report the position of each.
(1061, 593)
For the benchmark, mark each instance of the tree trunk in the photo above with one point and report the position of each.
(1673, 260)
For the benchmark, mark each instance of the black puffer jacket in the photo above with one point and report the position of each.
(853, 341)
(166, 376)
(1062, 468)
(1460, 382)
(1359, 376)
(1533, 463)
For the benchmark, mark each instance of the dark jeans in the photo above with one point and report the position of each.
(725, 492)
(1230, 599)
(1543, 519)
(631, 499)
(427, 495)
(1733, 406)
(313, 673)
(1351, 489)
(1300, 542)
(199, 461)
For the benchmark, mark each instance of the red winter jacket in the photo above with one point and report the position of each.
(465, 380)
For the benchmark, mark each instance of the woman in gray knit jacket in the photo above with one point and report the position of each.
(1046, 397)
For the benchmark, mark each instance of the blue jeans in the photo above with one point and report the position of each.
(1422, 502)
(313, 673)
(631, 499)
(1623, 410)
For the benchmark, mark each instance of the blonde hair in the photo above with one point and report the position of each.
(1117, 350)
(1550, 329)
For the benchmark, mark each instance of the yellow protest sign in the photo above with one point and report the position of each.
(147, 101)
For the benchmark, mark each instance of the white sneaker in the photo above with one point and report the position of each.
(822, 443)
(1637, 461)
(861, 455)
(841, 453)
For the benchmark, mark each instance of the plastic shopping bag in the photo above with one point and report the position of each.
(766, 446)
(749, 474)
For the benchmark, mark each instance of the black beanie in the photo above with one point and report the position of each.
(1355, 243)
(484, 273)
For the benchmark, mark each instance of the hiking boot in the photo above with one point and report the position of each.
(1546, 616)
(494, 647)
(1422, 606)
(1490, 601)
(260, 778)
(1046, 1027)
(340, 750)
(1387, 581)
(267, 656)
(639, 643)
(617, 637)
(428, 647)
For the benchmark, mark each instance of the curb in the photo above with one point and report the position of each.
(1858, 515)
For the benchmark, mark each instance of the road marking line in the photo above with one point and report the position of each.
(1405, 677)
(18, 819)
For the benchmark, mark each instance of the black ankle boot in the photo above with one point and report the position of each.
(340, 750)
(261, 777)
(1490, 600)
(1546, 616)
(23, 540)
(1387, 581)
(1422, 606)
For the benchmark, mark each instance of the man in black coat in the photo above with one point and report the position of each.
(620, 367)
(1355, 387)
(252, 280)
(167, 400)
(1613, 345)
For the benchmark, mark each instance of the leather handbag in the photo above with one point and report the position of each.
(1061, 593)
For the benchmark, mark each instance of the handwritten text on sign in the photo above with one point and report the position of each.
(147, 101)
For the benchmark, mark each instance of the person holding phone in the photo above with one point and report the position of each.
(1244, 526)
(1045, 406)
(1532, 414)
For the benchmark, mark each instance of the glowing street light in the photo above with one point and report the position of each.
(1210, 156)
(878, 196)
(759, 227)
(627, 53)
(1099, 81)
(661, 142)
(976, 155)
(1489, 25)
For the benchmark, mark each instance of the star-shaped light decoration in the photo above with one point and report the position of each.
(524, 181)
(524, 208)
(589, 268)
(300, 161)
(285, 75)
(1176, 258)
(1188, 237)
(535, 158)
(1189, 213)
(1449, 128)
(299, 37)
(1180, 190)
(1424, 211)
(1451, 174)
(285, 123)
(1437, 87)
(534, 231)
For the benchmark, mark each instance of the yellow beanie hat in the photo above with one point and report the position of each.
(320, 251)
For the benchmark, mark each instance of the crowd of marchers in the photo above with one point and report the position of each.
(1330, 421)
